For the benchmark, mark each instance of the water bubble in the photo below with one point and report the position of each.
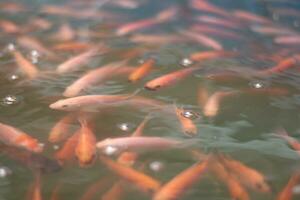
(189, 114)
(13, 77)
(9, 100)
(10, 47)
(125, 126)
(5, 171)
(156, 166)
(257, 84)
(110, 150)
(34, 56)
(186, 62)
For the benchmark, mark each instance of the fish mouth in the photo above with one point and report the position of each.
(151, 88)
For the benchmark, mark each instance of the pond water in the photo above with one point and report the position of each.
(240, 101)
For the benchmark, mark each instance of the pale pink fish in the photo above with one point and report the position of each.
(218, 21)
(64, 33)
(9, 27)
(204, 5)
(212, 106)
(161, 17)
(78, 61)
(288, 40)
(203, 40)
(216, 31)
(93, 103)
(271, 30)
(138, 144)
(96, 77)
(33, 44)
(152, 39)
(14, 137)
(29, 69)
(250, 17)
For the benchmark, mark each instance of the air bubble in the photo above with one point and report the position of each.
(156, 166)
(13, 77)
(186, 62)
(34, 56)
(189, 114)
(10, 47)
(10, 100)
(5, 171)
(257, 85)
(125, 127)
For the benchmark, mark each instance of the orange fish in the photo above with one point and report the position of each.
(207, 55)
(187, 125)
(170, 79)
(203, 39)
(139, 179)
(72, 46)
(176, 187)
(35, 190)
(218, 21)
(64, 33)
(247, 175)
(61, 130)
(85, 150)
(9, 27)
(287, 192)
(206, 6)
(216, 31)
(97, 187)
(282, 65)
(15, 137)
(158, 39)
(67, 152)
(25, 65)
(250, 17)
(116, 192)
(142, 70)
(235, 188)
(212, 105)
(55, 192)
(292, 141)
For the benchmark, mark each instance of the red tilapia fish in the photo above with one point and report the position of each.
(287, 192)
(138, 144)
(295, 144)
(170, 79)
(61, 130)
(218, 21)
(288, 40)
(139, 179)
(187, 125)
(207, 55)
(93, 103)
(85, 150)
(77, 62)
(35, 192)
(204, 5)
(161, 17)
(9, 27)
(25, 65)
(95, 77)
(14, 137)
(216, 31)
(250, 17)
(176, 187)
(142, 70)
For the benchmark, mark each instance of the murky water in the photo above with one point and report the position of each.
(245, 126)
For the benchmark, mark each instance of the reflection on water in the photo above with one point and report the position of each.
(139, 99)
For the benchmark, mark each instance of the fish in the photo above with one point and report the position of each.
(93, 103)
(271, 31)
(72, 46)
(142, 70)
(248, 176)
(206, 6)
(14, 137)
(67, 152)
(64, 33)
(177, 186)
(32, 43)
(139, 179)
(212, 105)
(96, 77)
(33, 161)
(208, 55)
(295, 144)
(287, 40)
(187, 125)
(157, 39)
(9, 27)
(216, 31)
(218, 21)
(281, 66)
(76, 62)
(236, 190)
(250, 17)
(138, 144)
(99, 186)
(161, 17)
(202, 39)
(85, 150)
(35, 191)
(29, 69)
(287, 192)
(170, 79)
(61, 130)
(55, 192)
(202, 96)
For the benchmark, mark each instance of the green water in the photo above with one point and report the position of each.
(244, 127)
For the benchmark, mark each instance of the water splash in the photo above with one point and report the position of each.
(186, 62)
(5, 171)
(10, 100)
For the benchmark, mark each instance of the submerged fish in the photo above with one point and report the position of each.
(287, 192)
(25, 65)
(142, 70)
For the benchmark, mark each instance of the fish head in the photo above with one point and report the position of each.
(65, 105)
(152, 85)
